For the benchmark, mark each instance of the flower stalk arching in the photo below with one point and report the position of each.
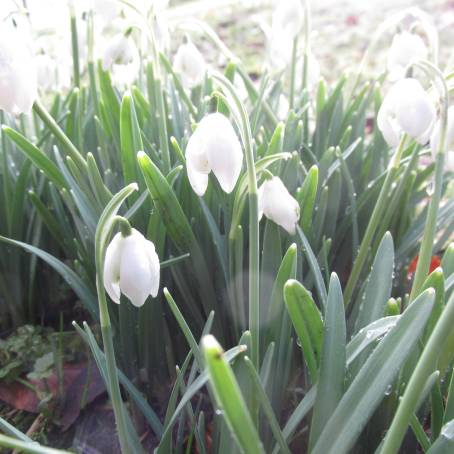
(425, 252)
(106, 224)
(384, 27)
(254, 257)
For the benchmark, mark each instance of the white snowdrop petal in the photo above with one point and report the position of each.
(190, 64)
(135, 277)
(111, 274)
(153, 262)
(279, 206)
(198, 180)
(405, 48)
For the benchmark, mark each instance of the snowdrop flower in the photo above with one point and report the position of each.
(18, 79)
(131, 267)
(288, 18)
(276, 203)
(190, 64)
(449, 140)
(214, 146)
(121, 55)
(407, 108)
(405, 48)
(287, 21)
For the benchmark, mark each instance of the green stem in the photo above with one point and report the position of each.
(374, 222)
(49, 121)
(291, 100)
(425, 252)
(425, 366)
(254, 257)
(75, 49)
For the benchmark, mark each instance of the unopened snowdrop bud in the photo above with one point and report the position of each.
(190, 64)
(131, 267)
(276, 203)
(407, 108)
(405, 48)
(214, 146)
(18, 78)
(449, 140)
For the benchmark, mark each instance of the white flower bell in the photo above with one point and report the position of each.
(406, 108)
(190, 64)
(449, 140)
(131, 267)
(287, 21)
(276, 203)
(405, 48)
(122, 57)
(288, 18)
(214, 146)
(18, 78)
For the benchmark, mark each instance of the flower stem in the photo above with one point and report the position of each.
(374, 222)
(75, 48)
(425, 366)
(291, 101)
(425, 252)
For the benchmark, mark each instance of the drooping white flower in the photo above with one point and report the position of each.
(18, 79)
(122, 57)
(449, 140)
(190, 64)
(214, 146)
(405, 48)
(288, 18)
(131, 267)
(406, 108)
(276, 203)
(287, 21)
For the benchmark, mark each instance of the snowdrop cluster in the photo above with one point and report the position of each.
(131, 267)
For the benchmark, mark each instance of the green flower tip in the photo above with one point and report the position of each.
(141, 155)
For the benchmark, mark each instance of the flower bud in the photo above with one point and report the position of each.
(449, 140)
(407, 108)
(18, 78)
(288, 18)
(405, 48)
(276, 203)
(131, 267)
(190, 64)
(214, 146)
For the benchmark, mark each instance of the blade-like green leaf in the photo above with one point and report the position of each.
(369, 387)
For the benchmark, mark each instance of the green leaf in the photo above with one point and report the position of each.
(379, 284)
(308, 324)
(306, 197)
(369, 386)
(444, 444)
(229, 397)
(330, 385)
(37, 157)
(131, 141)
